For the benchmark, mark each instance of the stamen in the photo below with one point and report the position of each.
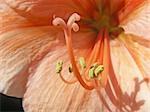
(66, 81)
(70, 69)
(95, 70)
(91, 72)
(59, 66)
(98, 70)
(82, 62)
(94, 56)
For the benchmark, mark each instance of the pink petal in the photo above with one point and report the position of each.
(11, 20)
(140, 50)
(135, 89)
(138, 22)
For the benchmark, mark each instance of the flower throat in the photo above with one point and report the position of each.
(92, 72)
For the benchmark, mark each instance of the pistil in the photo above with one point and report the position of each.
(68, 37)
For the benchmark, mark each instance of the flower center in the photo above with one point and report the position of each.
(103, 19)
(92, 72)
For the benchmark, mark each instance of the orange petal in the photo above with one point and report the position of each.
(46, 91)
(10, 20)
(129, 7)
(138, 22)
(42, 11)
(116, 5)
(136, 92)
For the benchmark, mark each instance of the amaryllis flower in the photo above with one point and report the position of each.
(76, 55)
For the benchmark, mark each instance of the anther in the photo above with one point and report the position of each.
(91, 72)
(70, 69)
(59, 66)
(82, 62)
(98, 70)
(95, 70)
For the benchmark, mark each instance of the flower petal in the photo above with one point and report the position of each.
(21, 46)
(116, 5)
(140, 50)
(10, 20)
(136, 92)
(46, 91)
(42, 11)
(138, 22)
(19, 49)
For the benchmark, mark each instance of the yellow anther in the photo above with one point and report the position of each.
(98, 70)
(82, 62)
(95, 70)
(59, 66)
(91, 72)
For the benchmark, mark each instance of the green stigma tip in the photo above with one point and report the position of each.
(59, 66)
(82, 62)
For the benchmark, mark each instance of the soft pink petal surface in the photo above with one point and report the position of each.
(140, 50)
(138, 22)
(129, 74)
(11, 20)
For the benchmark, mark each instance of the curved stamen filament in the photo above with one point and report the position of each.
(66, 81)
(100, 60)
(105, 59)
(101, 52)
(72, 58)
(95, 52)
(110, 71)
